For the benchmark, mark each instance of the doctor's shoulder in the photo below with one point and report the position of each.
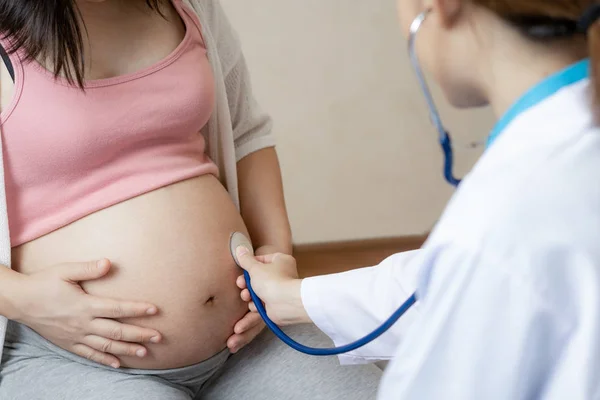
(540, 221)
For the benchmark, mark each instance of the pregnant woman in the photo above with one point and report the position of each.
(132, 149)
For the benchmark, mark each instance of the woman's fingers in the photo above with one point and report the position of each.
(115, 309)
(249, 321)
(82, 271)
(252, 307)
(114, 347)
(237, 341)
(87, 352)
(115, 330)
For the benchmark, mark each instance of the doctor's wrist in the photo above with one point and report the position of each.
(292, 310)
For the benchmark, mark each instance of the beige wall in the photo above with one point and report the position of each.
(359, 157)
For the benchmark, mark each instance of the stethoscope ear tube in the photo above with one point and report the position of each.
(434, 115)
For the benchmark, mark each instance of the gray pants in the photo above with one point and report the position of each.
(35, 369)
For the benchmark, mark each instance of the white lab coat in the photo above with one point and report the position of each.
(508, 283)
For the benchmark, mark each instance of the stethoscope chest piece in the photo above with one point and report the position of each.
(236, 240)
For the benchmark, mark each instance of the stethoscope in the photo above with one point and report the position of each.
(239, 239)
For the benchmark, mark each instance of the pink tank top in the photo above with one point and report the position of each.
(69, 153)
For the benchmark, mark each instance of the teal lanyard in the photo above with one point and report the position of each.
(540, 92)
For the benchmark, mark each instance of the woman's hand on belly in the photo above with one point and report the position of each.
(52, 303)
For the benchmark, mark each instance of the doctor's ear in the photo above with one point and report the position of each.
(448, 11)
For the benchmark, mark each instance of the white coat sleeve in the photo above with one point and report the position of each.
(488, 329)
(350, 305)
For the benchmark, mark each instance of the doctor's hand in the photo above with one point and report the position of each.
(274, 279)
(251, 324)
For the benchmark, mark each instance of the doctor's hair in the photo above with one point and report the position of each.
(548, 20)
(51, 31)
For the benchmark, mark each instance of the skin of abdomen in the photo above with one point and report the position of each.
(169, 247)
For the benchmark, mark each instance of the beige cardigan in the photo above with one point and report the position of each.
(237, 127)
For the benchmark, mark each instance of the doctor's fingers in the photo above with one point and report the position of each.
(246, 260)
(276, 258)
(245, 294)
(241, 282)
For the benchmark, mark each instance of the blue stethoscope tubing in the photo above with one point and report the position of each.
(313, 351)
(446, 145)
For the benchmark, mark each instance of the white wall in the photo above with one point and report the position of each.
(359, 157)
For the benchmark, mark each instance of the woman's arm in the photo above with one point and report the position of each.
(262, 202)
(9, 282)
(259, 177)
(263, 210)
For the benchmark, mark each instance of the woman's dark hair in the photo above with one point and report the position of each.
(49, 30)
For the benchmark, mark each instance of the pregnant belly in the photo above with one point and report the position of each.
(169, 247)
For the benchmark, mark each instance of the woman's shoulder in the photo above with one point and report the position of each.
(210, 13)
(221, 38)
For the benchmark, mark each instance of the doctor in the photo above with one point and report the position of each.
(508, 284)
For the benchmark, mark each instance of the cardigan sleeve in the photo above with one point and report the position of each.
(252, 127)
